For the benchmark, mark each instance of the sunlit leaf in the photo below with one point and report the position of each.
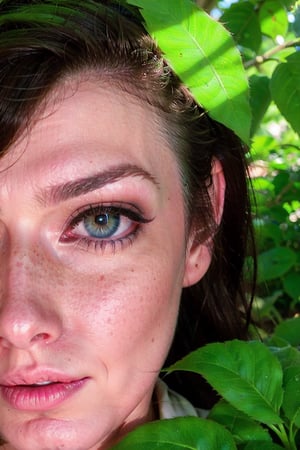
(262, 146)
(273, 18)
(246, 374)
(285, 89)
(204, 56)
(190, 433)
(263, 184)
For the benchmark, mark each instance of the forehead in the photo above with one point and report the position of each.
(82, 117)
(86, 124)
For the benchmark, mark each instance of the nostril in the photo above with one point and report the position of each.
(4, 343)
(40, 337)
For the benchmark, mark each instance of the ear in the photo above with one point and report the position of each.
(198, 256)
(217, 192)
(197, 262)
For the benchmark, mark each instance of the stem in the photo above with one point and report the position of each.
(260, 59)
(292, 435)
(280, 431)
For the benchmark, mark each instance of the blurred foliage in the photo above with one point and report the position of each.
(216, 53)
(276, 181)
(267, 34)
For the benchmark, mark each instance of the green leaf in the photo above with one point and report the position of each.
(242, 20)
(246, 374)
(240, 425)
(285, 89)
(262, 184)
(288, 356)
(288, 4)
(291, 399)
(262, 146)
(269, 230)
(204, 56)
(262, 446)
(289, 330)
(260, 99)
(273, 18)
(280, 181)
(189, 433)
(274, 263)
(296, 24)
(291, 285)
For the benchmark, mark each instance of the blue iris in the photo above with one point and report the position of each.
(102, 225)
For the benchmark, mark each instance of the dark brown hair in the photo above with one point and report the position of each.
(43, 42)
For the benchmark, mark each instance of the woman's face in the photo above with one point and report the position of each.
(93, 259)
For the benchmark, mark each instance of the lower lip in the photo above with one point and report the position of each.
(39, 398)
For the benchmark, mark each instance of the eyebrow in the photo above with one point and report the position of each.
(75, 188)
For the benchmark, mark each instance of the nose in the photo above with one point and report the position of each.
(24, 325)
(27, 314)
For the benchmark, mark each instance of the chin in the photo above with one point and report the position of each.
(50, 434)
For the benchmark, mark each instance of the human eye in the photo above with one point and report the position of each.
(99, 226)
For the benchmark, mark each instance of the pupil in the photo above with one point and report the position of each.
(102, 225)
(102, 219)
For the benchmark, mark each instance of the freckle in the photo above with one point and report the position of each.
(101, 278)
(196, 265)
(153, 340)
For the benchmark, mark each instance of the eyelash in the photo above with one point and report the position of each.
(120, 212)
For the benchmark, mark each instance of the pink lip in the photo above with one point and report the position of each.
(30, 397)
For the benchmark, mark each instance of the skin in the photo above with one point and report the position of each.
(104, 314)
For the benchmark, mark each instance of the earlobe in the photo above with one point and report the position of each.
(198, 257)
(197, 263)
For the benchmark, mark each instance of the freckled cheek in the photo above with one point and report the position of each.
(121, 311)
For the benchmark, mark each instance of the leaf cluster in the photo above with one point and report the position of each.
(267, 34)
(259, 385)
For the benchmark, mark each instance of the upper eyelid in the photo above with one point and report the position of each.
(120, 207)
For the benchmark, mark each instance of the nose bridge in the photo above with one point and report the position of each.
(24, 307)
(18, 259)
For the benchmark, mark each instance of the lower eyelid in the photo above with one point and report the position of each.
(103, 245)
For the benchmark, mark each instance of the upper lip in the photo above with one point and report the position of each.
(36, 376)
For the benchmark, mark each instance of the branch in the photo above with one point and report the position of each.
(260, 59)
